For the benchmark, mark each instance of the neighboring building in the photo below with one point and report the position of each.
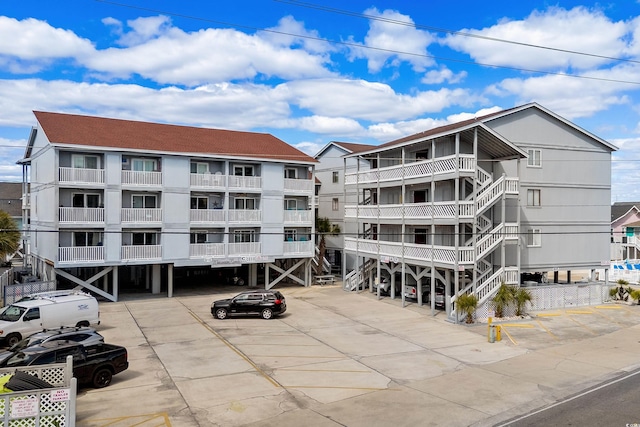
(11, 200)
(120, 205)
(505, 197)
(625, 231)
(330, 172)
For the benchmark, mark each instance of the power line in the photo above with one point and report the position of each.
(446, 31)
(359, 46)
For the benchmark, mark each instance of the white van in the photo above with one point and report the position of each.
(47, 310)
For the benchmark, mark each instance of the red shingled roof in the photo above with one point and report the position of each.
(71, 129)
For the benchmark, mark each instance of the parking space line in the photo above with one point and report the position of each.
(579, 312)
(548, 331)
(234, 349)
(509, 335)
(609, 307)
(607, 317)
(582, 324)
(518, 325)
(548, 314)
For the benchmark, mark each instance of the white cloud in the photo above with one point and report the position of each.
(336, 126)
(579, 29)
(387, 38)
(142, 29)
(11, 150)
(310, 148)
(442, 75)
(360, 99)
(290, 32)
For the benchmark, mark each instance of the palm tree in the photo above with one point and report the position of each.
(467, 304)
(9, 236)
(324, 227)
(502, 299)
(522, 296)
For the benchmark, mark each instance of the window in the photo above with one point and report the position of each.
(198, 167)
(82, 200)
(81, 161)
(335, 205)
(290, 204)
(243, 170)
(534, 237)
(245, 203)
(142, 239)
(198, 237)
(535, 158)
(420, 236)
(336, 177)
(290, 235)
(144, 165)
(290, 173)
(141, 201)
(533, 197)
(199, 203)
(422, 155)
(87, 238)
(244, 236)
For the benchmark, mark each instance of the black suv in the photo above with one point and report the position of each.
(261, 302)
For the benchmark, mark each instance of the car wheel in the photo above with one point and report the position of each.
(83, 324)
(221, 313)
(102, 378)
(13, 339)
(267, 313)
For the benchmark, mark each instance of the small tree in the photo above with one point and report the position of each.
(522, 297)
(467, 304)
(9, 236)
(503, 298)
(324, 227)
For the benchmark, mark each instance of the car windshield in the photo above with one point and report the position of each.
(19, 359)
(12, 313)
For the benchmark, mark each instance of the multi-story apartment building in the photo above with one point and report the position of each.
(332, 197)
(468, 206)
(124, 205)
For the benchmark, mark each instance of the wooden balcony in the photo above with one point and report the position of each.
(139, 178)
(298, 185)
(81, 215)
(239, 183)
(245, 216)
(248, 248)
(80, 176)
(292, 217)
(141, 216)
(422, 169)
(301, 248)
(207, 216)
(81, 254)
(141, 252)
(208, 181)
(207, 250)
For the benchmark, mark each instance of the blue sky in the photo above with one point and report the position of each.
(310, 73)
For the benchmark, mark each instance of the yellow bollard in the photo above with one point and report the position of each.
(498, 333)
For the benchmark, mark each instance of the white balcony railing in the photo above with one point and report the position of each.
(248, 248)
(141, 252)
(207, 180)
(299, 248)
(81, 175)
(245, 215)
(206, 250)
(425, 168)
(412, 252)
(141, 215)
(141, 178)
(438, 210)
(79, 254)
(207, 215)
(298, 185)
(245, 182)
(81, 215)
(298, 217)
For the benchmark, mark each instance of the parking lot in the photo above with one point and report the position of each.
(337, 358)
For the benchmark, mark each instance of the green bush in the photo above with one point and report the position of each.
(467, 304)
(504, 297)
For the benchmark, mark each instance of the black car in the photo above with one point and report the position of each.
(264, 303)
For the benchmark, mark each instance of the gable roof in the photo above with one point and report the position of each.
(88, 131)
(349, 147)
(620, 209)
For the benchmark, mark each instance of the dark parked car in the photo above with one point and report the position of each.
(264, 303)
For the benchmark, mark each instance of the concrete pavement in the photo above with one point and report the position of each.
(347, 359)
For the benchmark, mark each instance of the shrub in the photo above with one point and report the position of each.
(467, 304)
(522, 297)
(503, 298)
